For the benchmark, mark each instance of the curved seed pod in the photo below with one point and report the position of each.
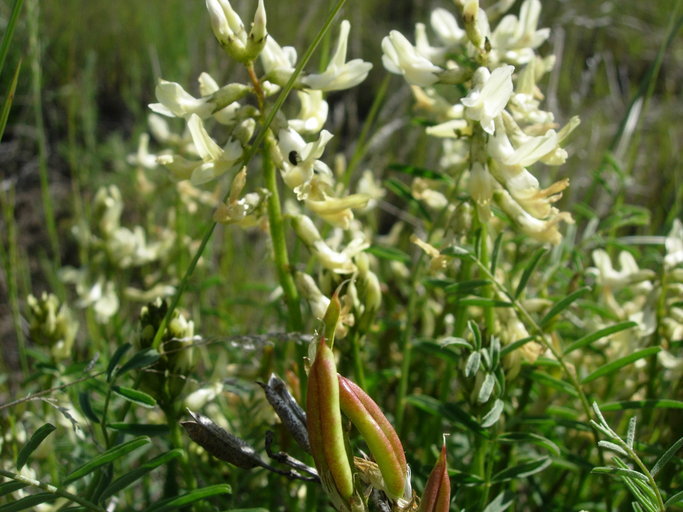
(437, 493)
(220, 443)
(325, 433)
(290, 412)
(379, 435)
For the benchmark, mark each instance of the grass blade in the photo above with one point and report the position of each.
(9, 32)
(141, 359)
(33, 443)
(105, 458)
(522, 470)
(7, 104)
(619, 363)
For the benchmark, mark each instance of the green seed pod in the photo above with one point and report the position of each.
(379, 435)
(325, 432)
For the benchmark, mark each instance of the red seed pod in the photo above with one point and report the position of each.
(437, 493)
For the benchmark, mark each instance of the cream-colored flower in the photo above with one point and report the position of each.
(299, 160)
(674, 245)
(339, 74)
(312, 114)
(490, 93)
(402, 58)
(278, 62)
(514, 39)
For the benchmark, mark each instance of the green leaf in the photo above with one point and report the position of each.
(440, 351)
(466, 287)
(403, 191)
(124, 481)
(388, 253)
(590, 338)
(141, 429)
(501, 502)
(29, 502)
(675, 499)
(486, 389)
(420, 172)
(190, 497)
(472, 365)
(105, 458)
(624, 472)
(515, 345)
(86, 406)
(522, 470)
(535, 259)
(145, 357)
(450, 411)
(529, 437)
(135, 396)
(554, 383)
(563, 304)
(620, 363)
(485, 302)
(9, 487)
(492, 417)
(33, 443)
(116, 357)
(655, 403)
(666, 457)
(495, 252)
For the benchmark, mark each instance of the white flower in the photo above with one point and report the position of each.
(143, 158)
(339, 73)
(402, 58)
(515, 39)
(674, 245)
(214, 162)
(278, 62)
(530, 151)
(174, 101)
(300, 160)
(614, 279)
(446, 27)
(312, 114)
(542, 230)
(488, 97)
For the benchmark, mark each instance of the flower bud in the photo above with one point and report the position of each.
(437, 493)
(379, 435)
(325, 432)
(258, 34)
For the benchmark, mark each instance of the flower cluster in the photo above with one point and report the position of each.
(220, 127)
(495, 130)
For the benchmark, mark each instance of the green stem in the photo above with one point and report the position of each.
(358, 369)
(51, 488)
(277, 236)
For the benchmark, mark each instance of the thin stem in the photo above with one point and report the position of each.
(51, 488)
(277, 235)
(36, 86)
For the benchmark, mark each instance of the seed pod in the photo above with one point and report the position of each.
(325, 433)
(437, 493)
(289, 411)
(379, 435)
(220, 443)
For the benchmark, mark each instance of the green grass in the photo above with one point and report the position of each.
(88, 72)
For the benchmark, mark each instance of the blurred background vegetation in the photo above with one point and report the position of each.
(89, 69)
